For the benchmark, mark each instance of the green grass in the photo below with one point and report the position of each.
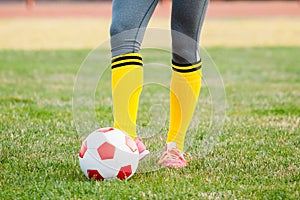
(257, 156)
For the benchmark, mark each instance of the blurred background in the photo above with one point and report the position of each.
(64, 24)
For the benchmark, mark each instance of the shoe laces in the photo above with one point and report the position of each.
(173, 155)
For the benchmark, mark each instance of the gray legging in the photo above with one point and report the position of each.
(130, 19)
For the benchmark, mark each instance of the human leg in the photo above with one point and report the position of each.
(187, 20)
(129, 21)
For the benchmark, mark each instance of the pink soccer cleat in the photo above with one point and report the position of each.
(141, 147)
(172, 157)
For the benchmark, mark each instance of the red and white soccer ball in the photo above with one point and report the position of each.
(108, 153)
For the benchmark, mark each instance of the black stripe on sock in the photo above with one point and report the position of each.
(187, 70)
(125, 58)
(126, 64)
(186, 64)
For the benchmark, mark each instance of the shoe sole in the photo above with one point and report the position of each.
(144, 154)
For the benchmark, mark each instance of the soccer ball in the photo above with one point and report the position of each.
(107, 154)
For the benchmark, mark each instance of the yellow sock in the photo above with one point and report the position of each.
(184, 93)
(127, 82)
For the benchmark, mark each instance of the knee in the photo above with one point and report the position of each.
(124, 37)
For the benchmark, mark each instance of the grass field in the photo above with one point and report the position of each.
(257, 158)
